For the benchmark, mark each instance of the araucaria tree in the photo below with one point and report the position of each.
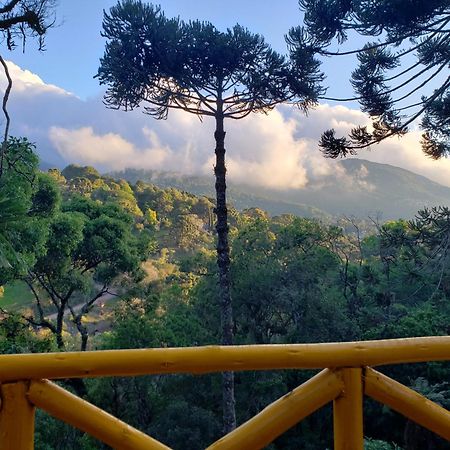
(167, 64)
(401, 77)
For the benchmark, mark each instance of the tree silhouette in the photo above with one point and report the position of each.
(410, 57)
(20, 19)
(191, 66)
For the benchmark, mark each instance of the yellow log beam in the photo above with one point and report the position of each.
(82, 415)
(223, 358)
(16, 418)
(284, 413)
(407, 402)
(348, 412)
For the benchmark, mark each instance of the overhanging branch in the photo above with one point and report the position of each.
(5, 112)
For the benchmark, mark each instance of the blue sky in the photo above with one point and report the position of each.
(75, 45)
(57, 103)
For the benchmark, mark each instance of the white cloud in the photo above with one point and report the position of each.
(107, 151)
(263, 150)
(278, 150)
(405, 152)
(24, 80)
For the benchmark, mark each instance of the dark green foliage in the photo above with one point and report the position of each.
(187, 426)
(27, 200)
(387, 90)
(46, 198)
(283, 284)
(88, 246)
(437, 126)
(372, 444)
(162, 316)
(287, 287)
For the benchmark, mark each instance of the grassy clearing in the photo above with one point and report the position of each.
(16, 296)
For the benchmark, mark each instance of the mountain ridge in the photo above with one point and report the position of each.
(359, 188)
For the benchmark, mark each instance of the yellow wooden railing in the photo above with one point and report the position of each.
(25, 385)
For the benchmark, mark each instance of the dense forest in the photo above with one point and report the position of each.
(93, 262)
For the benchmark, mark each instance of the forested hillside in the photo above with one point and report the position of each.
(103, 263)
(357, 187)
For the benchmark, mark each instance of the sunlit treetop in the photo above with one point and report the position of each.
(402, 74)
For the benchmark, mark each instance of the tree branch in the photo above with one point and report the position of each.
(9, 6)
(5, 112)
(420, 85)
(29, 17)
(409, 121)
(43, 322)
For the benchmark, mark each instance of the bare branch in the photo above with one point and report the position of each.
(445, 21)
(5, 112)
(9, 6)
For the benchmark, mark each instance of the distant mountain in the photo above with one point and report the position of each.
(240, 196)
(357, 187)
(365, 188)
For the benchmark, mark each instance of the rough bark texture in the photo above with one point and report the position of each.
(59, 329)
(223, 262)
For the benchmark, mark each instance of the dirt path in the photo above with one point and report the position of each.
(103, 299)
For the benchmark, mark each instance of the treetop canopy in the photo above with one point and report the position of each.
(192, 65)
(330, 19)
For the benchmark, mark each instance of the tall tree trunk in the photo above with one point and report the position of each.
(223, 262)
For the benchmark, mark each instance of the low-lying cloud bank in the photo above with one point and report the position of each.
(278, 150)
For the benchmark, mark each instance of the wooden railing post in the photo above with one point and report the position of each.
(407, 402)
(65, 406)
(348, 412)
(275, 419)
(16, 417)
